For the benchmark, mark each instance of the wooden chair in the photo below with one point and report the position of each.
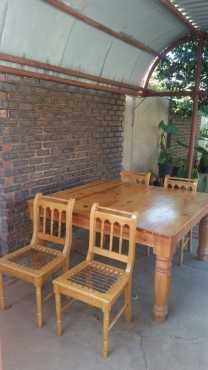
(136, 177)
(182, 184)
(99, 284)
(36, 262)
(179, 183)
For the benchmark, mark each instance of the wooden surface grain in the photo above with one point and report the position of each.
(161, 211)
(165, 217)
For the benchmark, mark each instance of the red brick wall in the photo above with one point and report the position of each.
(184, 132)
(52, 136)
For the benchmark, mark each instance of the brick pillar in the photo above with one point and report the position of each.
(184, 132)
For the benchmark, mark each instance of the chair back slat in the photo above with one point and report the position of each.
(52, 221)
(132, 177)
(178, 183)
(59, 225)
(112, 234)
(102, 235)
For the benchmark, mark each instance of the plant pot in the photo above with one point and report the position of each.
(165, 169)
(175, 171)
(203, 166)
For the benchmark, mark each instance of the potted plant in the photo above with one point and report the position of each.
(165, 161)
(182, 169)
(203, 163)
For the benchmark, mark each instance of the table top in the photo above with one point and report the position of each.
(163, 212)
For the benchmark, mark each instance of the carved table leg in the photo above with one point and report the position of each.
(2, 298)
(162, 287)
(203, 239)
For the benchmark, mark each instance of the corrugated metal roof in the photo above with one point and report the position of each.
(36, 30)
(196, 10)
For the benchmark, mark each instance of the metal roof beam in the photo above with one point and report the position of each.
(173, 9)
(151, 93)
(196, 96)
(101, 27)
(170, 93)
(66, 71)
(67, 81)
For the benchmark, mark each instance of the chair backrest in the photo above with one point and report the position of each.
(112, 235)
(52, 221)
(178, 183)
(136, 177)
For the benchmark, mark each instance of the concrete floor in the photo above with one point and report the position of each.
(181, 343)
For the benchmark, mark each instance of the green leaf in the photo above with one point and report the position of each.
(177, 71)
(168, 128)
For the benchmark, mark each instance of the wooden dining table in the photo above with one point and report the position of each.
(165, 216)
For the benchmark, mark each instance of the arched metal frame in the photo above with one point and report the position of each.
(105, 84)
(119, 87)
(157, 60)
(200, 37)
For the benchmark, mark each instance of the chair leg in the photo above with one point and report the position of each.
(39, 305)
(190, 242)
(181, 252)
(148, 251)
(128, 301)
(2, 298)
(106, 322)
(58, 314)
(66, 266)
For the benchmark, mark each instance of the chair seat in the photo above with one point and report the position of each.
(34, 260)
(93, 278)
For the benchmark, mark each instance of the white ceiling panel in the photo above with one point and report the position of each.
(37, 30)
(86, 49)
(145, 20)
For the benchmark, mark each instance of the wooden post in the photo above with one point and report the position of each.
(195, 108)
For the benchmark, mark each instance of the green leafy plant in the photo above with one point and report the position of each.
(177, 72)
(165, 157)
(166, 130)
(183, 169)
(203, 163)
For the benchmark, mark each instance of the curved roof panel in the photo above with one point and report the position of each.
(145, 20)
(35, 29)
(196, 10)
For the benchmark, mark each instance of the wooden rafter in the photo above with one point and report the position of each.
(101, 27)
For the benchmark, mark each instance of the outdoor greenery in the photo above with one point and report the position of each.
(168, 129)
(177, 72)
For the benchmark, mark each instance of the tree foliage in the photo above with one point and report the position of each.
(177, 72)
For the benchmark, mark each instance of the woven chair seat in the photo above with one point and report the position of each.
(33, 259)
(96, 276)
(30, 258)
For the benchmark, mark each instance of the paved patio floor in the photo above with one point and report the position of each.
(181, 343)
